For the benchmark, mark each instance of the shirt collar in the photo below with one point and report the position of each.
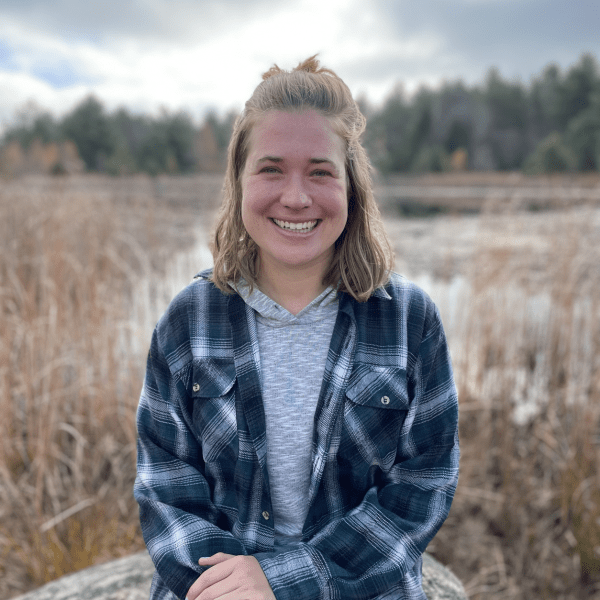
(275, 315)
(381, 292)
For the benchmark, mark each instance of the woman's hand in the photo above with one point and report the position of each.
(231, 578)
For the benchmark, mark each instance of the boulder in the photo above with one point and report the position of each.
(129, 579)
(123, 579)
(439, 582)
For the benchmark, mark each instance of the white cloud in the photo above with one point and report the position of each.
(19, 88)
(195, 54)
(219, 70)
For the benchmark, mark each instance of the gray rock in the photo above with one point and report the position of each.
(123, 579)
(439, 582)
(129, 579)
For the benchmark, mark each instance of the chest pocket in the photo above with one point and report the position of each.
(211, 378)
(211, 388)
(376, 405)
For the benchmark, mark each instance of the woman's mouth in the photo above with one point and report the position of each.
(299, 227)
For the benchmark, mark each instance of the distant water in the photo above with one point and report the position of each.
(513, 312)
(448, 295)
(454, 298)
(153, 293)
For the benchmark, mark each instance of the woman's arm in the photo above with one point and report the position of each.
(176, 512)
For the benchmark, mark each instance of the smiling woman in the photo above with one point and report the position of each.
(298, 425)
(303, 119)
(294, 202)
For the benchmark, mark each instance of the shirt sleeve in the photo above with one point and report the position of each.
(375, 549)
(177, 516)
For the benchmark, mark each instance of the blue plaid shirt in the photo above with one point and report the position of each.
(384, 451)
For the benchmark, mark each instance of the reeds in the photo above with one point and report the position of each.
(73, 255)
(525, 522)
(87, 265)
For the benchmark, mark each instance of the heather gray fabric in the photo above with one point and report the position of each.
(293, 351)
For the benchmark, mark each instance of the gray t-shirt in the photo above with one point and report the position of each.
(293, 352)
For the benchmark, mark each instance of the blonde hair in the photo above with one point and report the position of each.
(363, 257)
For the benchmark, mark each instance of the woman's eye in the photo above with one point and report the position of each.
(269, 170)
(321, 173)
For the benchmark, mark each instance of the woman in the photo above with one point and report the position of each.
(298, 421)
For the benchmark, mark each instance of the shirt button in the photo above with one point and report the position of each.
(196, 387)
(265, 515)
(385, 400)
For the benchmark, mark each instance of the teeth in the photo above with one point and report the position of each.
(308, 226)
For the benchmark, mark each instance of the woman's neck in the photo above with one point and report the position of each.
(294, 289)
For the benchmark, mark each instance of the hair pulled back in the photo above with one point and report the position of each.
(362, 257)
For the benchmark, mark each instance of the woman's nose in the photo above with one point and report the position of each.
(294, 196)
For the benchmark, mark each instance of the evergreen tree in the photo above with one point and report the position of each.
(90, 129)
(555, 121)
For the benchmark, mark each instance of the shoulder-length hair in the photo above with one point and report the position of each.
(363, 257)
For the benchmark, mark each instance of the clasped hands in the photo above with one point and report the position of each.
(231, 578)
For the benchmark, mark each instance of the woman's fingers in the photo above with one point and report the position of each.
(215, 559)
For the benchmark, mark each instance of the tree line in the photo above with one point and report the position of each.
(123, 143)
(549, 125)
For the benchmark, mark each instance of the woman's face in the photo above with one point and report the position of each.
(294, 190)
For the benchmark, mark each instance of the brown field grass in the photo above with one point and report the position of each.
(525, 522)
(71, 253)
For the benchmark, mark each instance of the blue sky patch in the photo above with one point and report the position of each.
(59, 74)
(6, 57)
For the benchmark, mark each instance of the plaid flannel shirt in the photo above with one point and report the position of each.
(384, 452)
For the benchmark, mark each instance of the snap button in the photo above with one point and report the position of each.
(196, 387)
(265, 515)
(385, 400)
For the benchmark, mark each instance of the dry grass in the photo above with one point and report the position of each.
(72, 255)
(525, 522)
(80, 270)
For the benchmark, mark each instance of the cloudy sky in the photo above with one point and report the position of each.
(209, 54)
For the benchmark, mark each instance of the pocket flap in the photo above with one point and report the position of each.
(211, 378)
(379, 387)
